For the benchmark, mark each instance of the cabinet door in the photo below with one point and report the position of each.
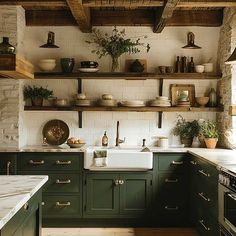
(102, 194)
(135, 193)
(7, 163)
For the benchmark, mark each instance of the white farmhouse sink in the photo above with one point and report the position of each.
(120, 159)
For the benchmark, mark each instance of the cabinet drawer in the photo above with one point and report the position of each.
(171, 162)
(59, 183)
(57, 161)
(61, 206)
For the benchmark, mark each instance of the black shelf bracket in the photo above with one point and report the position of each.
(160, 113)
(80, 115)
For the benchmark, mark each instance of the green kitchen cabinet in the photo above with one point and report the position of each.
(170, 199)
(203, 190)
(27, 221)
(117, 195)
(62, 194)
(8, 163)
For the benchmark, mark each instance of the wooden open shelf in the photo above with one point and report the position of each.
(127, 76)
(126, 109)
(15, 67)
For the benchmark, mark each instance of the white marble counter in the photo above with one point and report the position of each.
(15, 191)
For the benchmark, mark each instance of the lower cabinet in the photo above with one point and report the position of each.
(117, 195)
(27, 221)
(8, 163)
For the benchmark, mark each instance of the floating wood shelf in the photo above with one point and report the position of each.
(13, 66)
(232, 110)
(126, 109)
(127, 76)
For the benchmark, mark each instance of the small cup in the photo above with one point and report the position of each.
(169, 69)
(199, 68)
(162, 69)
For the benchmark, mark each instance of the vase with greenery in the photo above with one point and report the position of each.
(115, 45)
(210, 132)
(37, 94)
(187, 130)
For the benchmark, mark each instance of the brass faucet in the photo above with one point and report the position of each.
(118, 140)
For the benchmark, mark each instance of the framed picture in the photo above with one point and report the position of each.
(182, 91)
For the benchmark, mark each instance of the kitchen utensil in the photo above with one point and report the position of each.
(202, 101)
(47, 64)
(67, 64)
(199, 68)
(89, 70)
(107, 97)
(55, 132)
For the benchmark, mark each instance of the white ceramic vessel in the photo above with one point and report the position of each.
(47, 64)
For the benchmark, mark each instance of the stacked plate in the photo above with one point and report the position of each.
(133, 103)
(83, 102)
(160, 102)
(107, 103)
(183, 103)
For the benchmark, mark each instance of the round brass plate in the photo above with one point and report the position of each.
(56, 132)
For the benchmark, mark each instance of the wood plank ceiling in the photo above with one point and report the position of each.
(154, 13)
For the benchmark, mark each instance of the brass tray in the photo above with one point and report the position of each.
(56, 132)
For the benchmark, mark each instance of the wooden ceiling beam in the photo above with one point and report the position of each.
(57, 18)
(209, 18)
(81, 15)
(123, 3)
(207, 3)
(163, 14)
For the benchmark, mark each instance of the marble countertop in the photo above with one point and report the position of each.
(15, 191)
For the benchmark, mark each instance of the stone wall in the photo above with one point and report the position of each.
(12, 25)
(227, 85)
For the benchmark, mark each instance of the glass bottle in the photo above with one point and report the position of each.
(6, 47)
(105, 140)
(191, 66)
(183, 64)
(212, 98)
(177, 65)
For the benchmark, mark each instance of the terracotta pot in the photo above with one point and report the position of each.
(38, 102)
(211, 142)
(186, 141)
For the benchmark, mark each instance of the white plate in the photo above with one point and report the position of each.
(84, 102)
(90, 70)
(162, 98)
(133, 103)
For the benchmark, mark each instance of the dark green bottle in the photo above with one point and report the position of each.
(6, 47)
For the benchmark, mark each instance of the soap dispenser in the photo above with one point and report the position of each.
(105, 139)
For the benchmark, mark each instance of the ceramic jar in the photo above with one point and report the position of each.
(6, 47)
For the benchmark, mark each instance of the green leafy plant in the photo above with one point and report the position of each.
(186, 129)
(37, 92)
(209, 129)
(115, 45)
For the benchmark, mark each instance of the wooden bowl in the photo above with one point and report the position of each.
(202, 101)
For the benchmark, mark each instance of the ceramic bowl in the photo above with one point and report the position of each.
(107, 97)
(47, 64)
(202, 101)
(62, 102)
(199, 68)
(75, 145)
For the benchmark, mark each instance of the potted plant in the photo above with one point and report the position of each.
(115, 45)
(187, 130)
(37, 94)
(210, 133)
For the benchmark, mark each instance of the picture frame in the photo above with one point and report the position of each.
(177, 89)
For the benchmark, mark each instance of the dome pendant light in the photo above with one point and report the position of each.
(232, 58)
(190, 42)
(50, 42)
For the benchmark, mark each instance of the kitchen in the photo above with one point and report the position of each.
(157, 199)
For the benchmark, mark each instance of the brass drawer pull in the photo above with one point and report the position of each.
(116, 182)
(177, 162)
(193, 162)
(58, 162)
(121, 182)
(63, 181)
(171, 208)
(204, 197)
(204, 173)
(8, 167)
(204, 226)
(171, 180)
(36, 162)
(62, 204)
